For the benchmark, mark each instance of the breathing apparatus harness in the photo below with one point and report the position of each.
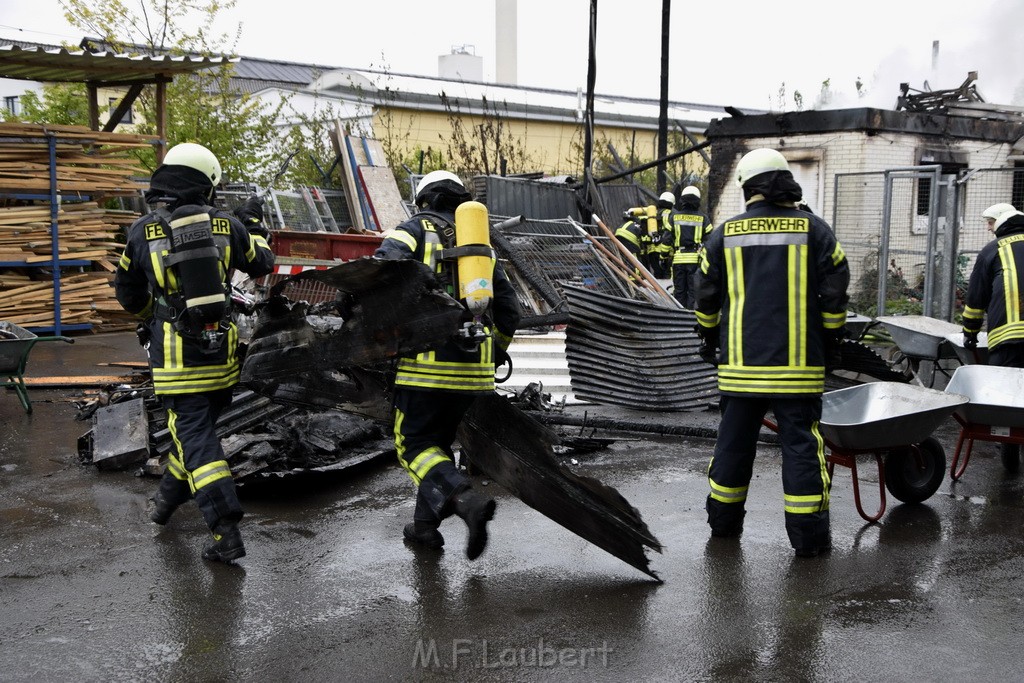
(201, 307)
(467, 253)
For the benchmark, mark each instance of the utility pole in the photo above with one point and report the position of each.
(663, 105)
(588, 116)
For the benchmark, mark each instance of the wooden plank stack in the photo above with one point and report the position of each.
(92, 166)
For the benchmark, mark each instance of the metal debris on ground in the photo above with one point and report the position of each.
(515, 451)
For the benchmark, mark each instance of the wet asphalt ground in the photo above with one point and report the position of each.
(90, 590)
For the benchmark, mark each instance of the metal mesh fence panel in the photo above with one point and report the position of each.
(338, 203)
(894, 206)
(547, 255)
(295, 212)
(857, 222)
(908, 256)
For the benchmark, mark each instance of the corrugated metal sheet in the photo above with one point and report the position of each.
(617, 198)
(60, 65)
(515, 196)
(635, 354)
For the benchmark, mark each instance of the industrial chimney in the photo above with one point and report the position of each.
(506, 39)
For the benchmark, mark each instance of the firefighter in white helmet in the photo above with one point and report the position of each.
(689, 228)
(771, 292)
(173, 275)
(434, 389)
(994, 291)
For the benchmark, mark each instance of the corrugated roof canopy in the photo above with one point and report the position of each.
(102, 68)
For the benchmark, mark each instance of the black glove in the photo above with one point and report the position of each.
(251, 212)
(143, 333)
(709, 340)
(834, 349)
(970, 340)
(261, 230)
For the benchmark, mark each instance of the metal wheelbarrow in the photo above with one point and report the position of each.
(920, 338)
(15, 343)
(995, 411)
(893, 422)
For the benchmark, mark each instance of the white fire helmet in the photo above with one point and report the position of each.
(758, 161)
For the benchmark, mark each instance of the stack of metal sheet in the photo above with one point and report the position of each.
(635, 354)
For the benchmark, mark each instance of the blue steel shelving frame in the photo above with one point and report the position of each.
(55, 261)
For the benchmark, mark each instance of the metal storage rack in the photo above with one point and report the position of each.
(55, 262)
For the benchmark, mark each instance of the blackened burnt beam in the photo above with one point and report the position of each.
(612, 425)
(652, 164)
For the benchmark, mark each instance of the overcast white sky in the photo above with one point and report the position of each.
(736, 52)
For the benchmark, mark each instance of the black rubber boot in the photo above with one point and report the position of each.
(423, 534)
(162, 510)
(226, 545)
(476, 510)
(725, 520)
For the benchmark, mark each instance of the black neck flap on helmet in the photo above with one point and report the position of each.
(689, 203)
(776, 186)
(180, 185)
(444, 195)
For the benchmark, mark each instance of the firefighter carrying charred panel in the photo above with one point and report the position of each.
(995, 290)
(433, 390)
(174, 275)
(689, 228)
(771, 310)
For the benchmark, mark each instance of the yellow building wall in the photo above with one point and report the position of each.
(529, 146)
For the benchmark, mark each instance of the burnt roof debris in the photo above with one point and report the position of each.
(933, 100)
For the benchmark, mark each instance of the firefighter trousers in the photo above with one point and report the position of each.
(425, 426)
(196, 466)
(684, 284)
(805, 478)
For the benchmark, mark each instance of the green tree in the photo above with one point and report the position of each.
(201, 107)
(64, 104)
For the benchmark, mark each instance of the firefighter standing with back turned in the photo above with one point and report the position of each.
(994, 289)
(173, 274)
(689, 228)
(434, 389)
(772, 293)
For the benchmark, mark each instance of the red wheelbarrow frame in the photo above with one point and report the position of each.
(848, 458)
(970, 432)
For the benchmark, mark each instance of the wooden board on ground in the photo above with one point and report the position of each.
(77, 381)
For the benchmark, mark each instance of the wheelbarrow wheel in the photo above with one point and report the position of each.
(914, 473)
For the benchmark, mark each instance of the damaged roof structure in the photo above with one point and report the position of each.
(891, 183)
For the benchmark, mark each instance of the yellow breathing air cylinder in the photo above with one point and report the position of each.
(476, 273)
(652, 221)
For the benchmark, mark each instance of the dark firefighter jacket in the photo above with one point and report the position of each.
(995, 286)
(179, 363)
(775, 279)
(450, 368)
(689, 229)
(634, 236)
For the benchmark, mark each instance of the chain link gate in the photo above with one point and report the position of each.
(891, 226)
(899, 218)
